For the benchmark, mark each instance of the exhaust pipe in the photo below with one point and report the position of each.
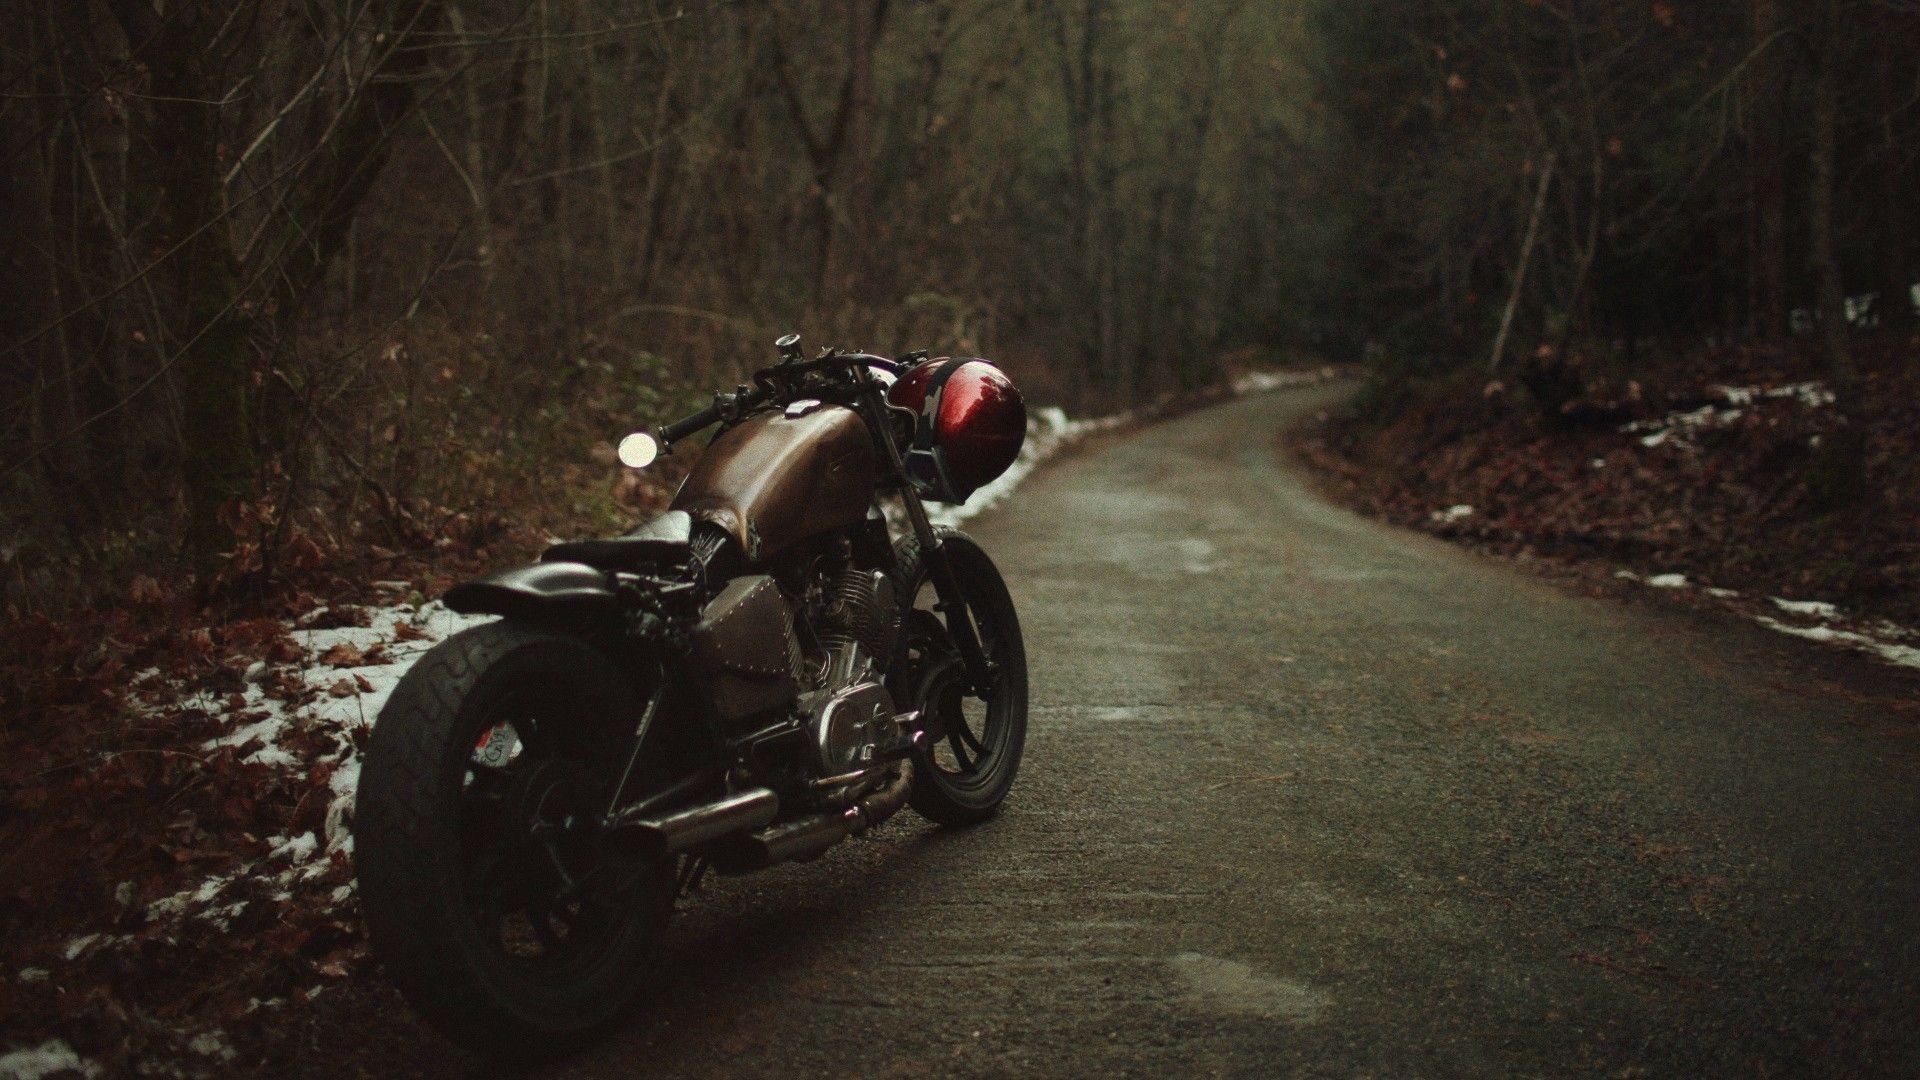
(802, 839)
(683, 829)
(884, 803)
(807, 837)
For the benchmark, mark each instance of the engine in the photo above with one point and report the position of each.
(857, 621)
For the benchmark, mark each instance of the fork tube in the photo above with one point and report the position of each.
(953, 603)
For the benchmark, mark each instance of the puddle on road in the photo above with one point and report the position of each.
(1233, 987)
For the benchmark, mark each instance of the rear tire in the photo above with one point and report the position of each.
(961, 776)
(445, 849)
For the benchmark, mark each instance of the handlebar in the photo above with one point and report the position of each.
(872, 361)
(733, 405)
(723, 405)
(828, 361)
(680, 429)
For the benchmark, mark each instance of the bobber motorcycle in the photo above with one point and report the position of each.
(754, 676)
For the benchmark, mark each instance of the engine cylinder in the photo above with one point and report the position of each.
(862, 608)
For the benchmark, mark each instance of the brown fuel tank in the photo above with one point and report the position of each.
(777, 479)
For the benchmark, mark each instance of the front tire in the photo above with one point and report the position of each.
(965, 770)
(504, 933)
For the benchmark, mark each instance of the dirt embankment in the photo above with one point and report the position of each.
(1705, 475)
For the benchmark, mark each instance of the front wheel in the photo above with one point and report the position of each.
(965, 768)
(502, 926)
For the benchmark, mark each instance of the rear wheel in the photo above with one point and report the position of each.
(504, 928)
(975, 739)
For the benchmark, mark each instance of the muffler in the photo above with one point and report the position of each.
(790, 841)
(807, 837)
(683, 829)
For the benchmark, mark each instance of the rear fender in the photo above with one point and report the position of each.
(543, 592)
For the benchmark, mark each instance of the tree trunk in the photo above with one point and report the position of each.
(1840, 477)
(856, 186)
(1520, 268)
(1895, 233)
(841, 156)
(663, 175)
(474, 158)
(351, 162)
(1769, 257)
(208, 336)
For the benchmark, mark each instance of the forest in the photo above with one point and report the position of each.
(314, 308)
(307, 284)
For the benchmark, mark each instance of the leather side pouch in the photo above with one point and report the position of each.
(745, 642)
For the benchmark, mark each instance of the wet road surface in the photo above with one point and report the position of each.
(1307, 795)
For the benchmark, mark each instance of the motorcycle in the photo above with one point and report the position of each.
(754, 676)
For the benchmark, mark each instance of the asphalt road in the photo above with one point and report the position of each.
(1305, 794)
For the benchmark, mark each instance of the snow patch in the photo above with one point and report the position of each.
(1890, 651)
(189, 900)
(1813, 395)
(1819, 609)
(1451, 514)
(1658, 581)
(1260, 382)
(1833, 626)
(334, 692)
(50, 1058)
(294, 848)
(213, 1044)
(346, 698)
(1680, 428)
(1048, 432)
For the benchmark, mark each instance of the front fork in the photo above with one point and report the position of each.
(953, 603)
(933, 555)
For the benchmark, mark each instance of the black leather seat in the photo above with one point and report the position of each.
(665, 539)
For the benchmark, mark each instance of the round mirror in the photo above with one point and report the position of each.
(638, 450)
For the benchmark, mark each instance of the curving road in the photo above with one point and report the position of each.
(1309, 795)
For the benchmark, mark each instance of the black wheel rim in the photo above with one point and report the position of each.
(549, 903)
(968, 733)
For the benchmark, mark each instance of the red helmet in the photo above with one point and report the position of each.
(970, 424)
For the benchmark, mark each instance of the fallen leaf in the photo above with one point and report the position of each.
(343, 655)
